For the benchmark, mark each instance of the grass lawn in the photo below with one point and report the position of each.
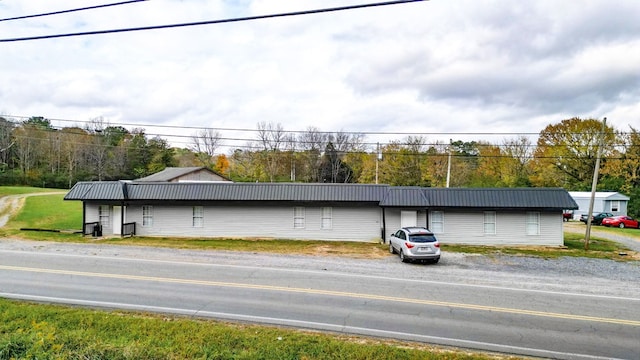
(36, 331)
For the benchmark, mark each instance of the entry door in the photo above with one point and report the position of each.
(117, 219)
(408, 218)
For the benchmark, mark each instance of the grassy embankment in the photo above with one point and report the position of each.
(29, 331)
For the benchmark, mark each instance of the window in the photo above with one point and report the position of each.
(326, 221)
(533, 223)
(298, 217)
(437, 222)
(103, 215)
(490, 222)
(147, 215)
(198, 216)
(615, 205)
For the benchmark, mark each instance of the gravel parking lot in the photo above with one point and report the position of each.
(568, 274)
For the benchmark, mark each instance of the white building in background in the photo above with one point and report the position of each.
(608, 201)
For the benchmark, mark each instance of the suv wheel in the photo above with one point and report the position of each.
(391, 249)
(402, 258)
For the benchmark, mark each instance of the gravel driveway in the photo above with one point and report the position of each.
(580, 228)
(568, 274)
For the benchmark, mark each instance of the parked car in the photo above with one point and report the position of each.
(621, 221)
(567, 215)
(415, 243)
(596, 219)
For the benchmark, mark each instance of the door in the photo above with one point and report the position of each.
(117, 219)
(408, 218)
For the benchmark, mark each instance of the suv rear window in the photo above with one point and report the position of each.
(422, 238)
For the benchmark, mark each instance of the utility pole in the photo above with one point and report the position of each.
(449, 165)
(378, 158)
(594, 183)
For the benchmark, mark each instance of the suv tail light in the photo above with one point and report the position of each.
(409, 245)
(437, 244)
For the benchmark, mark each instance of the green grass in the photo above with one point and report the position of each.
(634, 233)
(50, 212)
(30, 331)
(573, 246)
(16, 190)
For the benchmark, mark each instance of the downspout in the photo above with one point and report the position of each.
(121, 218)
(84, 215)
(426, 218)
(384, 227)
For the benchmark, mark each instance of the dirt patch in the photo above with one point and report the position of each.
(332, 250)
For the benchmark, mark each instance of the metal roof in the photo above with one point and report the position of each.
(383, 195)
(172, 173)
(222, 191)
(97, 190)
(550, 198)
(607, 195)
(405, 196)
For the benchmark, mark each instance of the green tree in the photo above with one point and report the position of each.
(332, 168)
(566, 153)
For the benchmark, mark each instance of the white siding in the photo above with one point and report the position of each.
(466, 227)
(393, 220)
(347, 223)
(93, 215)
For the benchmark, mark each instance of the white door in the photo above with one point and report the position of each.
(408, 218)
(117, 219)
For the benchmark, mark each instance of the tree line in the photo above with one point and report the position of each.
(33, 152)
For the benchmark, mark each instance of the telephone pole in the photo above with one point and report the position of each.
(594, 183)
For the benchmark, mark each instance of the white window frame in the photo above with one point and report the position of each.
(436, 220)
(326, 221)
(298, 217)
(533, 223)
(104, 215)
(616, 207)
(147, 215)
(198, 217)
(489, 226)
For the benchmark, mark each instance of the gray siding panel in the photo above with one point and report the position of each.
(393, 220)
(260, 222)
(467, 227)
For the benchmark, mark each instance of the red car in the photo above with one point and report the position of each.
(621, 221)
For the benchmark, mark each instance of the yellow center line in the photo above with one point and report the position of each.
(329, 293)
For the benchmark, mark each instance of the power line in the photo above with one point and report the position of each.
(71, 10)
(210, 22)
(248, 142)
(412, 133)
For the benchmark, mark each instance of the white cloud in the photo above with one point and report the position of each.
(456, 66)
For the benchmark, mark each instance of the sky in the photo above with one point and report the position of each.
(442, 69)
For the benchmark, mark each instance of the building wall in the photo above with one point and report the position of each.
(467, 227)
(600, 204)
(393, 221)
(347, 223)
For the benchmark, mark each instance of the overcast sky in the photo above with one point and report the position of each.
(437, 68)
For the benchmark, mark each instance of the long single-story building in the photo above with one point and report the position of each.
(352, 212)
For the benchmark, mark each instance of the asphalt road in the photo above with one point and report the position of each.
(453, 303)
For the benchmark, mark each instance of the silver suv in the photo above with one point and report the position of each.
(415, 243)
